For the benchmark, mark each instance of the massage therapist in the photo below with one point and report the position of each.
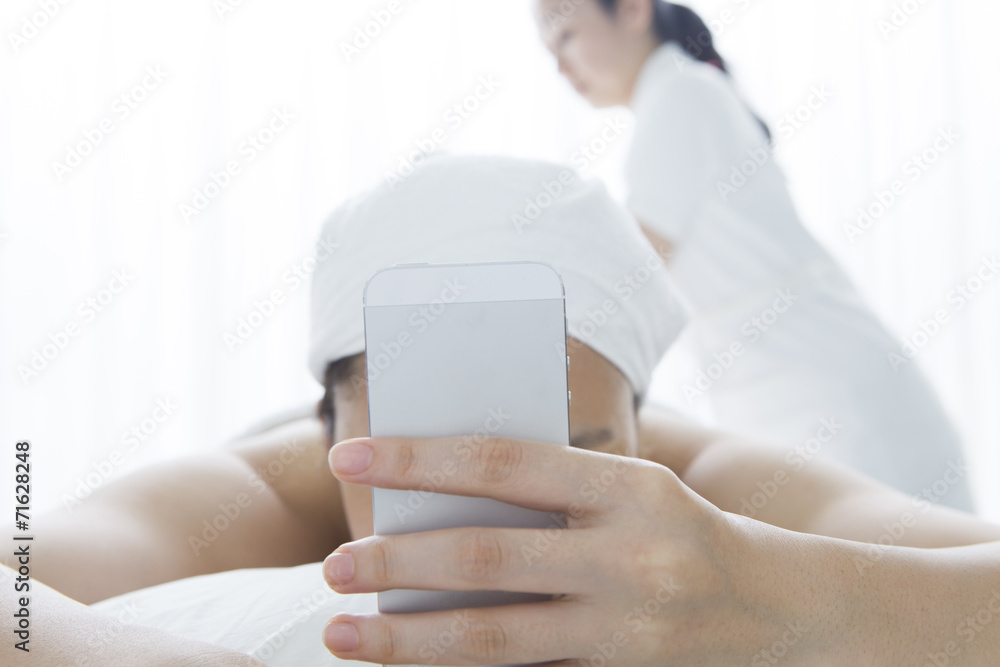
(780, 346)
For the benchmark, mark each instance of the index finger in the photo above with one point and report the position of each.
(534, 475)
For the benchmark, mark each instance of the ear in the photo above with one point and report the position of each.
(636, 16)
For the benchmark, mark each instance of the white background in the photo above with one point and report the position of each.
(163, 336)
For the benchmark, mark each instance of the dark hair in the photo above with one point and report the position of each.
(337, 373)
(681, 25)
(343, 371)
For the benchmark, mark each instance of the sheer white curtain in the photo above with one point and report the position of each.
(253, 116)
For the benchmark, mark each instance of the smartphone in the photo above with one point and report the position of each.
(474, 350)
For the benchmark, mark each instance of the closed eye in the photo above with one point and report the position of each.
(591, 438)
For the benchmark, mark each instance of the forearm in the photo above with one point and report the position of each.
(176, 520)
(823, 498)
(60, 631)
(840, 602)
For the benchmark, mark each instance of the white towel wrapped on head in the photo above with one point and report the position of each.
(619, 300)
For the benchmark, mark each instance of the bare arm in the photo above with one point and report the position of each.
(664, 246)
(270, 501)
(814, 496)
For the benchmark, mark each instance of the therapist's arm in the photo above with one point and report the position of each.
(271, 501)
(59, 631)
(664, 246)
(799, 492)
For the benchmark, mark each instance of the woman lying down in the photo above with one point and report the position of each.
(682, 546)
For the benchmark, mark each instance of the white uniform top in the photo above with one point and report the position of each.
(780, 346)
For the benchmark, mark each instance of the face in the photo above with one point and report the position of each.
(601, 418)
(600, 54)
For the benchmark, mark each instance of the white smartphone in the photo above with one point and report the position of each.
(472, 350)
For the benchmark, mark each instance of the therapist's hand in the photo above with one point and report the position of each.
(645, 573)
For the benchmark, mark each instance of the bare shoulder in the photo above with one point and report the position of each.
(669, 439)
(291, 459)
(268, 500)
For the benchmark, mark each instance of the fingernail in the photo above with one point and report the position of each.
(351, 457)
(339, 568)
(340, 637)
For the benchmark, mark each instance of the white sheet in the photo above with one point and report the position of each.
(276, 615)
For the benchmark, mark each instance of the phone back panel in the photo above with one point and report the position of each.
(480, 369)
